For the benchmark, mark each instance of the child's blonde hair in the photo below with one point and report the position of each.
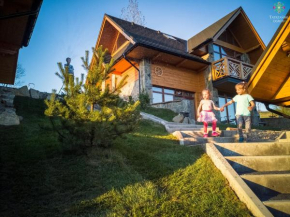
(243, 85)
(207, 90)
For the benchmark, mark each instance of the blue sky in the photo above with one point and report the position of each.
(66, 28)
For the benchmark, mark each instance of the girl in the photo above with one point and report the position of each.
(206, 115)
(245, 104)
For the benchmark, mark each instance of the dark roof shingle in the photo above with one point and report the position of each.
(155, 39)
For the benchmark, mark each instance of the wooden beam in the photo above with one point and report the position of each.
(155, 57)
(9, 49)
(217, 35)
(230, 46)
(100, 33)
(115, 41)
(253, 48)
(117, 73)
(281, 86)
(286, 46)
(235, 38)
(120, 30)
(181, 62)
(254, 30)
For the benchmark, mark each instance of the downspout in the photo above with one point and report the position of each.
(276, 112)
(136, 69)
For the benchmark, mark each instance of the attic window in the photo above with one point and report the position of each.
(169, 36)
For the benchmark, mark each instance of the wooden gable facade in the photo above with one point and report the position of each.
(270, 80)
(233, 47)
(166, 71)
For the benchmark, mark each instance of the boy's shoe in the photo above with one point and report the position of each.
(205, 135)
(241, 139)
(215, 134)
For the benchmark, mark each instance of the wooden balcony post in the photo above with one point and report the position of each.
(213, 72)
(226, 62)
(242, 71)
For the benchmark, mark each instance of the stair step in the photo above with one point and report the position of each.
(279, 205)
(252, 149)
(228, 133)
(185, 129)
(268, 184)
(201, 140)
(183, 126)
(171, 130)
(248, 164)
(186, 133)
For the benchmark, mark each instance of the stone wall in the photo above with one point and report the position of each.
(282, 123)
(178, 106)
(145, 80)
(132, 86)
(8, 116)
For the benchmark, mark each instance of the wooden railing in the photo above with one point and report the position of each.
(230, 67)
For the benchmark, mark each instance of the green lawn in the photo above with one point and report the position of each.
(145, 174)
(165, 114)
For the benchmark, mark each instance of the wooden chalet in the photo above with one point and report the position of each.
(174, 71)
(270, 80)
(17, 20)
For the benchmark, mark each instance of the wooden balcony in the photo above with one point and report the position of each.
(228, 67)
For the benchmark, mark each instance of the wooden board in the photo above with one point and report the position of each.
(177, 78)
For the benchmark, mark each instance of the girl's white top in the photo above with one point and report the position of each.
(206, 104)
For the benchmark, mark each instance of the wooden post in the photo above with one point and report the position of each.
(241, 70)
(226, 66)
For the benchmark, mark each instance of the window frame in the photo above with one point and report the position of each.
(184, 94)
(222, 55)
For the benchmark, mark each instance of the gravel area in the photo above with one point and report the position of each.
(264, 135)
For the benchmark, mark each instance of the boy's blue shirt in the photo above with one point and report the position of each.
(243, 102)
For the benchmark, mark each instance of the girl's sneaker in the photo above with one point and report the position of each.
(205, 135)
(215, 134)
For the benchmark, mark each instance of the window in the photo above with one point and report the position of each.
(161, 94)
(221, 52)
(229, 113)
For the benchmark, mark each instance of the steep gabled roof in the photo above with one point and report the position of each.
(270, 79)
(153, 39)
(212, 32)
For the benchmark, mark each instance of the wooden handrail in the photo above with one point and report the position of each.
(228, 66)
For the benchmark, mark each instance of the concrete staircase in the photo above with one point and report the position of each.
(259, 172)
(196, 137)
(265, 168)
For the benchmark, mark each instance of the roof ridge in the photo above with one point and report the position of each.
(206, 33)
(157, 31)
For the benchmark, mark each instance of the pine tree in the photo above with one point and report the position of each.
(89, 115)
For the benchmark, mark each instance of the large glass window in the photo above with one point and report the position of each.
(221, 52)
(157, 97)
(161, 94)
(228, 115)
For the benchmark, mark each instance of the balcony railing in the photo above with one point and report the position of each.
(231, 67)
